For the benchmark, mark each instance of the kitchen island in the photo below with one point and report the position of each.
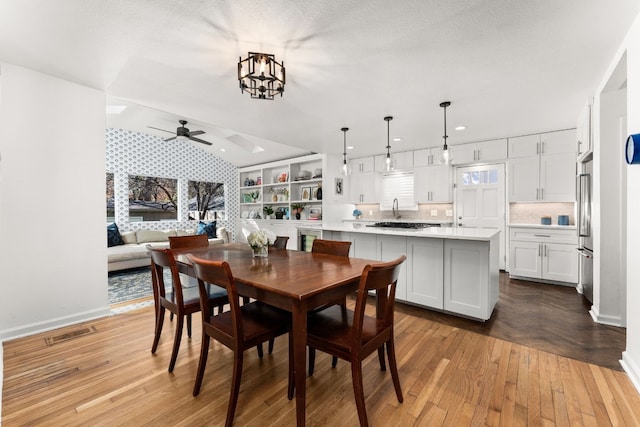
(447, 269)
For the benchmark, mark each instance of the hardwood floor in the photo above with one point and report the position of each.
(453, 372)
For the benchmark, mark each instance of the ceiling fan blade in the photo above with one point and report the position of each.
(199, 140)
(170, 139)
(196, 132)
(163, 130)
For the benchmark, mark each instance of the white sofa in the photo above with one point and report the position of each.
(134, 252)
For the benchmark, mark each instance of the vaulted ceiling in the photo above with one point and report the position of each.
(509, 67)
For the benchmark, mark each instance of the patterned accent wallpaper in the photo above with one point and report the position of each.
(134, 153)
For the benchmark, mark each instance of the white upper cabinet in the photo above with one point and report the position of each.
(400, 161)
(583, 134)
(433, 184)
(364, 164)
(479, 152)
(542, 168)
(426, 157)
(547, 143)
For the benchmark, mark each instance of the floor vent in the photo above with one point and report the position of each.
(57, 339)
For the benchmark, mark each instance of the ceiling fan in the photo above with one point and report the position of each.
(183, 132)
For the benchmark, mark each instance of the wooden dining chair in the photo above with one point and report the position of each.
(281, 242)
(353, 336)
(239, 329)
(179, 300)
(192, 241)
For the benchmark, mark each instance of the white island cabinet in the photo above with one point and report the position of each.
(450, 269)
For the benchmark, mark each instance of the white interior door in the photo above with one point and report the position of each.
(480, 200)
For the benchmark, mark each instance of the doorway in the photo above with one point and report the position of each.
(480, 200)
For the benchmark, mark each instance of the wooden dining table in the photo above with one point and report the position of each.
(295, 281)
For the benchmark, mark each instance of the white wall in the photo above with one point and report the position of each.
(631, 356)
(52, 229)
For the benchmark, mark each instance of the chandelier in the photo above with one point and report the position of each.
(261, 75)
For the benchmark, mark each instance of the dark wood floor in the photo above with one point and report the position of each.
(546, 317)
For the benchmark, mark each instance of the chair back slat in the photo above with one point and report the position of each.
(194, 241)
(331, 247)
(161, 259)
(281, 242)
(218, 272)
(383, 279)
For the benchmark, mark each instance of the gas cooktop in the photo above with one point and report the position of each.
(406, 225)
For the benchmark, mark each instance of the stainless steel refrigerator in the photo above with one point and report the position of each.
(585, 248)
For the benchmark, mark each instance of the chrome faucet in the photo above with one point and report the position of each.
(395, 210)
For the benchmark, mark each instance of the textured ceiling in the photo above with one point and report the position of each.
(509, 67)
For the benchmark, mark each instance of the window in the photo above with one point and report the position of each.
(111, 215)
(398, 185)
(206, 200)
(480, 177)
(152, 198)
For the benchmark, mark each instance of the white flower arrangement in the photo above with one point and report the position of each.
(261, 238)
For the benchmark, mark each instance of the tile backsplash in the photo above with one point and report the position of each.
(530, 213)
(424, 212)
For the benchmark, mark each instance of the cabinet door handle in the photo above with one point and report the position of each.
(542, 150)
(537, 148)
(542, 235)
(545, 250)
(542, 194)
(539, 249)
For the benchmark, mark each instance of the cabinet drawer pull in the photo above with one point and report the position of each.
(542, 235)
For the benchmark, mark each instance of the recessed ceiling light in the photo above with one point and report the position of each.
(115, 109)
(397, 139)
(223, 150)
(350, 147)
(461, 127)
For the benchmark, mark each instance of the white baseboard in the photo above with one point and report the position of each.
(35, 328)
(632, 369)
(606, 320)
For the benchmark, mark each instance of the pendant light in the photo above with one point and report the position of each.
(346, 167)
(445, 157)
(388, 164)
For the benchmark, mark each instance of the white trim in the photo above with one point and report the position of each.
(34, 328)
(604, 319)
(631, 368)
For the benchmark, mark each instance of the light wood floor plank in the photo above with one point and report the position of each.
(450, 376)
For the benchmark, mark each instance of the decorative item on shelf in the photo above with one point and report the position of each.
(261, 75)
(563, 219)
(297, 208)
(282, 177)
(260, 241)
(319, 192)
(545, 220)
(445, 157)
(259, 180)
(357, 213)
(317, 173)
(268, 211)
(306, 193)
(255, 195)
(388, 165)
(346, 166)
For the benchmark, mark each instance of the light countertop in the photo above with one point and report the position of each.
(479, 234)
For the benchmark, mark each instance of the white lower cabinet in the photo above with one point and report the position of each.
(470, 282)
(549, 255)
(456, 275)
(425, 258)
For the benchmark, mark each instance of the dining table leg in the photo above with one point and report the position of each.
(299, 331)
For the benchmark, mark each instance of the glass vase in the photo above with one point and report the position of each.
(260, 252)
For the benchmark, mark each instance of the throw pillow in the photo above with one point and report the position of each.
(208, 229)
(113, 236)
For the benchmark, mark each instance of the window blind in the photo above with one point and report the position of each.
(398, 185)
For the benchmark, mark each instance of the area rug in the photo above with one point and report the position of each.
(132, 284)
